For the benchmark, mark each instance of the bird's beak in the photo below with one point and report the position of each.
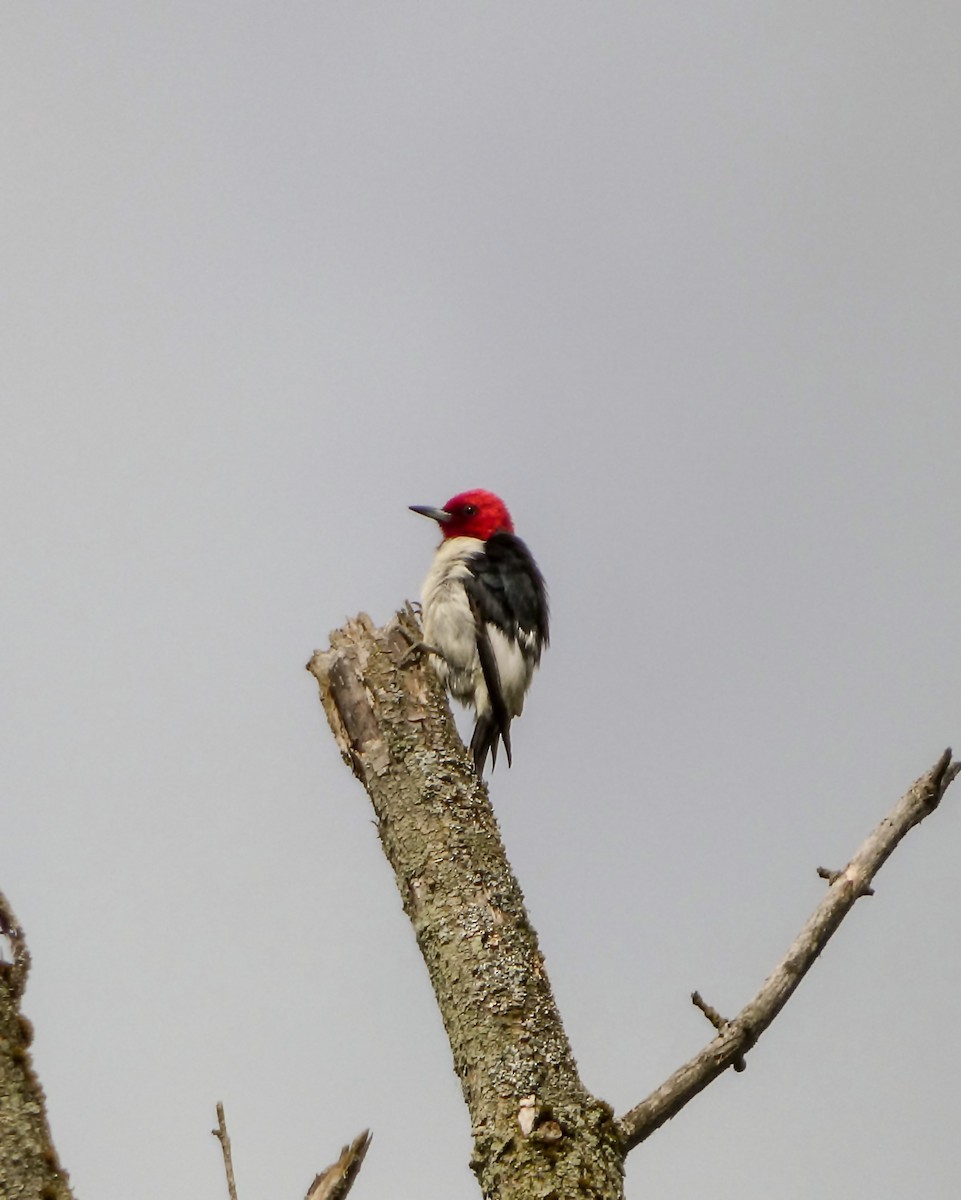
(435, 514)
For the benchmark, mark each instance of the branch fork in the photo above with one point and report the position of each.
(391, 720)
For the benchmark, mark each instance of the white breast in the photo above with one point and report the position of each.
(449, 621)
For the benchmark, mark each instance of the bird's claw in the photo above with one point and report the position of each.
(415, 651)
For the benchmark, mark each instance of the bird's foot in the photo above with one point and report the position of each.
(415, 651)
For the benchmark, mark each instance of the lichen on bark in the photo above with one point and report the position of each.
(29, 1167)
(538, 1131)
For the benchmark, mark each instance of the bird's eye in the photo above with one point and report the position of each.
(469, 510)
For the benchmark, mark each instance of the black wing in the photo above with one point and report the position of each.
(505, 589)
(508, 590)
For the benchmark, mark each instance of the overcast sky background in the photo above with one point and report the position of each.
(683, 284)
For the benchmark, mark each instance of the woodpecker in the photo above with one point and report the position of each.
(485, 614)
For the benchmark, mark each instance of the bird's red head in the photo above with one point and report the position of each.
(475, 514)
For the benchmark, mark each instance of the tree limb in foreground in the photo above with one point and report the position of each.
(335, 1181)
(222, 1136)
(537, 1130)
(29, 1167)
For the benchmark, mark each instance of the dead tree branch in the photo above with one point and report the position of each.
(222, 1136)
(532, 1117)
(737, 1036)
(333, 1183)
(336, 1181)
(534, 1122)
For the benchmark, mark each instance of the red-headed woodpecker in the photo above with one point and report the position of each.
(485, 614)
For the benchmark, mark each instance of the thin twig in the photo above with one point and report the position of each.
(711, 1013)
(222, 1136)
(740, 1034)
(719, 1023)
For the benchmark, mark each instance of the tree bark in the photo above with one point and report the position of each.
(29, 1167)
(538, 1132)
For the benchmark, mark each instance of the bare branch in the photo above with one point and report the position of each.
(391, 721)
(336, 1181)
(846, 887)
(221, 1134)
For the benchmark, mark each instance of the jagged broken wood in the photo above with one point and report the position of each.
(335, 1181)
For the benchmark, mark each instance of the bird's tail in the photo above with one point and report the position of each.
(487, 733)
(495, 722)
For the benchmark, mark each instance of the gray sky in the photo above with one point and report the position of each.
(683, 284)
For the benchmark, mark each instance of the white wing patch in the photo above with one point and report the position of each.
(513, 669)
